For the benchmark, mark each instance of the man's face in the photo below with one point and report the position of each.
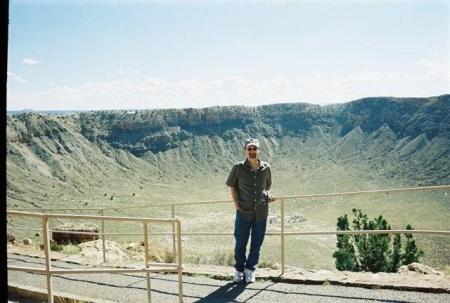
(252, 152)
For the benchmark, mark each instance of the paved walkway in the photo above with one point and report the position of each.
(132, 288)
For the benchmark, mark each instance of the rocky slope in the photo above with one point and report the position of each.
(128, 158)
(402, 141)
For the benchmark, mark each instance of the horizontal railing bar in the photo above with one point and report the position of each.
(58, 208)
(93, 270)
(325, 195)
(61, 231)
(405, 231)
(27, 269)
(171, 265)
(169, 205)
(87, 232)
(106, 218)
(90, 233)
(23, 228)
(444, 232)
(410, 189)
(113, 270)
(394, 190)
(368, 232)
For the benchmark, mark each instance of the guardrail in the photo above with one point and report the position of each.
(148, 267)
(282, 233)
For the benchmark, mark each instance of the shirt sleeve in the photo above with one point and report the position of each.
(232, 178)
(269, 179)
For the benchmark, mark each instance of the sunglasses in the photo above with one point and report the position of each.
(252, 148)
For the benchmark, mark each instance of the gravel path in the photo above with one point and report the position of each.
(132, 288)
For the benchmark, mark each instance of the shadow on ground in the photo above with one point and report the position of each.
(226, 293)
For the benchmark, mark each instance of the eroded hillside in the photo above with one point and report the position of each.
(102, 156)
(128, 158)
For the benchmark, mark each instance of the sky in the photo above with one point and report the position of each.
(99, 54)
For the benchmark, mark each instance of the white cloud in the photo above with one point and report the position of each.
(122, 71)
(426, 79)
(31, 61)
(16, 77)
(433, 68)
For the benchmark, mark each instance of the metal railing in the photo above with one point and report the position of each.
(282, 233)
(148, 267)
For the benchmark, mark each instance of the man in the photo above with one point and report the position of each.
(250, 181)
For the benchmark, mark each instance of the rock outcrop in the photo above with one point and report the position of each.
(419, 268)
(62, 234)
(11, 239)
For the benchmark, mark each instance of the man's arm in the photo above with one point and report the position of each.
(269, 186)
(234, 196)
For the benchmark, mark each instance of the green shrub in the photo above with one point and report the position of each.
(412, 252)
(345, 255)
(56, 247)
(372, 252)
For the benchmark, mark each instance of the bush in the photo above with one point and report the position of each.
(56, 247)
(412, 252)
(224, 258)
(373, 252)
(168, 256)
(265, 263)
(71, 249)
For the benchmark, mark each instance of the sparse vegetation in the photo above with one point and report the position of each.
(55, 246)
(167, 256)
(71, 249)
(265, 263)
(221, 257)
(184, 155)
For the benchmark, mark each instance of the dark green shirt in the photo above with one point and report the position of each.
(252, 186)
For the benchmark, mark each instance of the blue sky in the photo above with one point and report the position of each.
(98, 54)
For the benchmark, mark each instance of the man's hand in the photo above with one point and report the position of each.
(272, 198)
(234, 197)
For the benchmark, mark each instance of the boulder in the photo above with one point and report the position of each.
(275, 266)
(61, 236)
(419, 268)
(11, 238)
(131, 246)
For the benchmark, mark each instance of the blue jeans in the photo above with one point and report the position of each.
(242, 229)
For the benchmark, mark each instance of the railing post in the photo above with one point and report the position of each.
(282, 235)
(174, 249)
(103, 236)
(48, 265)
(179, 261)
(146, 258)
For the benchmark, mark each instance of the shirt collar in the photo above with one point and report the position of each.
(248, 163)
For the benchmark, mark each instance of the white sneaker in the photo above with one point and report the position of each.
(249, 276)
(238, 276)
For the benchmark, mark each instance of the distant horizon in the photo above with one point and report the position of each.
(25, 110)
(95, 55)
